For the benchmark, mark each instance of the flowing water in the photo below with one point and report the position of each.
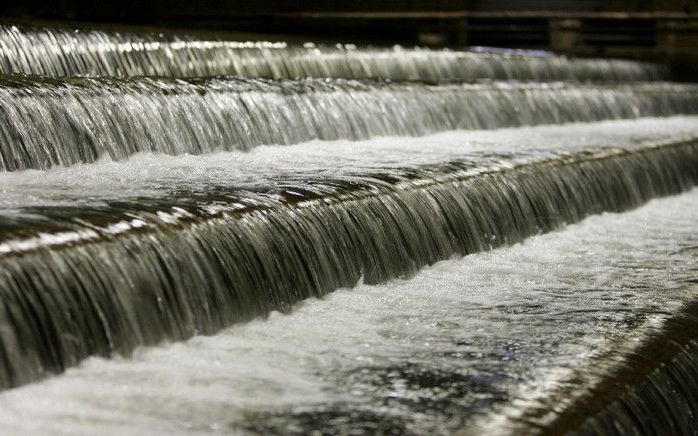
(68, 52)
(47, 123)
(246, 182)
(664, 403)
(104, 277)
(449, 347)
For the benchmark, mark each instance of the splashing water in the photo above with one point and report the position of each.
(47, 123)
(425, 355)
(130, 216)
(59, 52)
(255, 253)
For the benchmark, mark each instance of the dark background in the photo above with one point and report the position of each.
(664, 30)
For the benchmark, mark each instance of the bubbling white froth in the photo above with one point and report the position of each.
(148, 175)
(518, 320)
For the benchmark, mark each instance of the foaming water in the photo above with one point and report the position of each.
(147, 177)
(44, 123)
(105, 281)
(426, 355)
(130, 217)
(63, 52)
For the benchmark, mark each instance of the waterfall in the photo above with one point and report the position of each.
(650, 391)
(664, 403)
(105, 292)
(58, 52)
(46, 123)
(158, 187)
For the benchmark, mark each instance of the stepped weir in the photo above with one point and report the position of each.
(203, 235)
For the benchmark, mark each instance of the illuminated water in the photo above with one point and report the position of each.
(275, 239)
(430, 354)
(67, 52)
(90, 266)
(149, 176)
(64, 122)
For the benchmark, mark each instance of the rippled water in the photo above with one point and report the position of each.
(447, 348)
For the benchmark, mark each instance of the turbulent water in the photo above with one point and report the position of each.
(60, 52)
(147, 177)
(47, 123)
(159, 188)
(665, 402)
(105, 279)
(450, 347)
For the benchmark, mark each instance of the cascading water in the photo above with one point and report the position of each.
(57, 53)
(140, 210)
(443, 352)
(322, 234)
(49, 123)
(665, 402)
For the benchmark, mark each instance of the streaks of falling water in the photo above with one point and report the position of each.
(418, 356)
(647, 389)
(58, 53)
(62, 304)
(62, 122)
(269, 170)
(106, 292)
(664, 403)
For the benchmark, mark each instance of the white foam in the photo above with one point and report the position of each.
(524, 316)
(156, 175)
